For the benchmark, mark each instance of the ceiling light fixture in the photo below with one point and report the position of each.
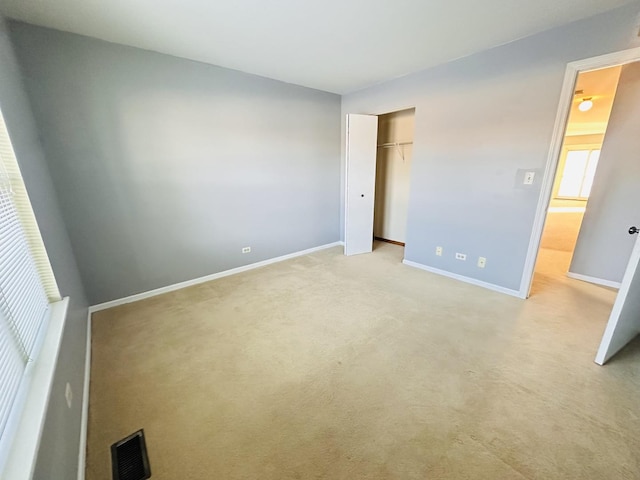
(586, 104)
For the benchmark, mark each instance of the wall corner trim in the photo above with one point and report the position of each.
(82, 452)
(462, 278)
(207, 278)
(597, 281)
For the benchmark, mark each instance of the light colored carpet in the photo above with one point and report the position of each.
(561, 231)
(333, 367)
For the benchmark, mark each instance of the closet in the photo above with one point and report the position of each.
(393, 169)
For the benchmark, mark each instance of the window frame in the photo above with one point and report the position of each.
(562, 164)
(20, 439)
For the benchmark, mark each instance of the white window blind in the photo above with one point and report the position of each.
(10, 171)
(27, 284)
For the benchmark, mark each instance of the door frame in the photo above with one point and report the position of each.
(382, 111)
(567, 93)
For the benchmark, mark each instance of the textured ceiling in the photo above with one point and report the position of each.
(334, 45)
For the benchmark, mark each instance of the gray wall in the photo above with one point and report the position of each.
(166, 167)
(604, 246)
(481, 122)
(58, 454)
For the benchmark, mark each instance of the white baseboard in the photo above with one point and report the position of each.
(462, 278)
(207, 278)
(82, 454)
(597, 281)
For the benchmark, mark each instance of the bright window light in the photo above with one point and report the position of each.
(578, 173)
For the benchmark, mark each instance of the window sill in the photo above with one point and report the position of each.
(20, 463)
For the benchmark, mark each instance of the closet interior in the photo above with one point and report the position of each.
(393, 171)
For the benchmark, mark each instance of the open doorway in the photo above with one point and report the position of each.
(393, 172)
(575, 174)
(607, 246)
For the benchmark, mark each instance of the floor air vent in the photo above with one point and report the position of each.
(129, 459)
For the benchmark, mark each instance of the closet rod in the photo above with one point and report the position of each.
(394, 144)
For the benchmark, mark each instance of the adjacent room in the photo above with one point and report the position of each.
(328, 240)
(575, 174)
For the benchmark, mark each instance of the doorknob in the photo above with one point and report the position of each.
(633, 230)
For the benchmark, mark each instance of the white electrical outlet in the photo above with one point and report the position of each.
(439, 251)
(461, 256)
(246, 249)
(482, 262)
(528, 178)
(68, 394)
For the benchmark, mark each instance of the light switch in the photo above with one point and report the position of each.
(528, 178)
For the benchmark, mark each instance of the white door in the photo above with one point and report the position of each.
(624, 322)
(362, 136)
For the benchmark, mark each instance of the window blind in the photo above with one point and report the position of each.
(10, 172)
(27, 285)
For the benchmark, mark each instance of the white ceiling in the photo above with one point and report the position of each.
(334, 45)
(600, 86)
